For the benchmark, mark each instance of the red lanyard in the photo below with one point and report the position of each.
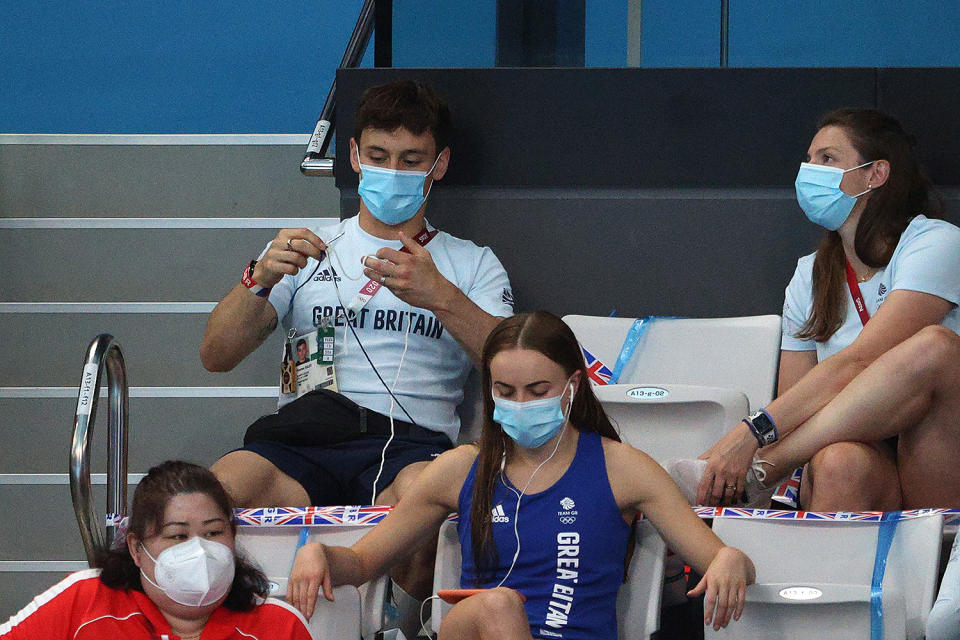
(854, 287)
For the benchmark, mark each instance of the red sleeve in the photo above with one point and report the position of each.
(52, 614)
(283, 620)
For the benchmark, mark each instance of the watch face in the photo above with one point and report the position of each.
(761, 422)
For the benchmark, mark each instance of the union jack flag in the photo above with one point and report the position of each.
(599, 373)
(788, 492)
(311, 516)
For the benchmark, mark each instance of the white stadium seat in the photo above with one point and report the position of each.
(831, 563)
(689, 380)
(638, 602)
(354, 613)
(740, 354)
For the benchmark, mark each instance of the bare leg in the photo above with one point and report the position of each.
(913, 391)
(253, 481)
(497, 614)
(851, 476)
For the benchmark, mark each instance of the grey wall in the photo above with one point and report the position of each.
(197, 214)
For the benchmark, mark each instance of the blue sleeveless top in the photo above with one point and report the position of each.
(573, 542)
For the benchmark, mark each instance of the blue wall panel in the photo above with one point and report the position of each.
(175, 67)
(605, 33)
(862, 33)
(427, 33)
(680, 33)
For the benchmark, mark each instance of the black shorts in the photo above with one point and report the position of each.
(343, 473)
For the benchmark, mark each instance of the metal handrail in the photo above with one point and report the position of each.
(314, 163)
(103, 352)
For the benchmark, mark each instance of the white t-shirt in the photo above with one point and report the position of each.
(435, 367)
(927, 259)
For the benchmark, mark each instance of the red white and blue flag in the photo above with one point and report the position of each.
(599, 373)
(311, 516)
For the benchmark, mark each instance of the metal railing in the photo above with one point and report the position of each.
(103, 353)
(315, 163)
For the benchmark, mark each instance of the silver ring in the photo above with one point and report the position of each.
(383, 279)
(731, 486)
(289, 246)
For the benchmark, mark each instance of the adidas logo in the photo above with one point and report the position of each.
(326, 276)
(499, 515)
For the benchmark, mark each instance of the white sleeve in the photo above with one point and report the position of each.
(929, 262)
(490, 289)
(796, 305)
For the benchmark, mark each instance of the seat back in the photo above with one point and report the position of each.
(272, 548)
(740, 354)
(638, 601)
(682, 421)
(803, 558)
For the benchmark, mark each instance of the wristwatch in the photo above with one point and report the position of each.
(250, 283)
(763, 428)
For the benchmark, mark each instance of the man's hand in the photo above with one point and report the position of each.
(412, 277)
(287, 254)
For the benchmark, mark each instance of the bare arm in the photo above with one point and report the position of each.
(242, 321)
(236, 327)
(793, 366)
(640, 484)
(431, 498)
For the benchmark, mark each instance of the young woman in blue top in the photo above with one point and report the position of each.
(550, 474)
(870, 407)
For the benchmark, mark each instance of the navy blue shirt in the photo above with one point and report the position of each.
(573, 542)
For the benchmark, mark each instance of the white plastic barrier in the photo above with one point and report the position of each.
(270, 537)
(816, 577)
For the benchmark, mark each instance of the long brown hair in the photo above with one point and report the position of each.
(150, 500)
(547, 334)
(889, 209)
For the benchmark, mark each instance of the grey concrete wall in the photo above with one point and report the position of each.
(58, 261)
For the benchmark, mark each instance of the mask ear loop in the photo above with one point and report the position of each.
(523, 492)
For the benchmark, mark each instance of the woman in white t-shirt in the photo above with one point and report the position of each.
(871, 408)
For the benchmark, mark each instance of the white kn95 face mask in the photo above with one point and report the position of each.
(194, 573)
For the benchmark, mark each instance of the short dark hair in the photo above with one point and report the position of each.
(413, 105)
(150, 500)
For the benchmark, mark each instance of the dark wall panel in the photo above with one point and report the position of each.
(927, 102)
(623, 127)
(706, 254)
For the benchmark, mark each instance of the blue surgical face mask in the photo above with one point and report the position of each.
(820, 197)
(531, 424)
(391, 195)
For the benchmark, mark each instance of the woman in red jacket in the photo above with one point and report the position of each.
(177, 575)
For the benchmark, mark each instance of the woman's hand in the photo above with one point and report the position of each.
(728, 461)
(725, 584)
(310, 572)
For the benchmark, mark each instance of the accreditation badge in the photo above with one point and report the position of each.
(308, 361)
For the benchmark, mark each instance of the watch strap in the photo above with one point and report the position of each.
(763, 428)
